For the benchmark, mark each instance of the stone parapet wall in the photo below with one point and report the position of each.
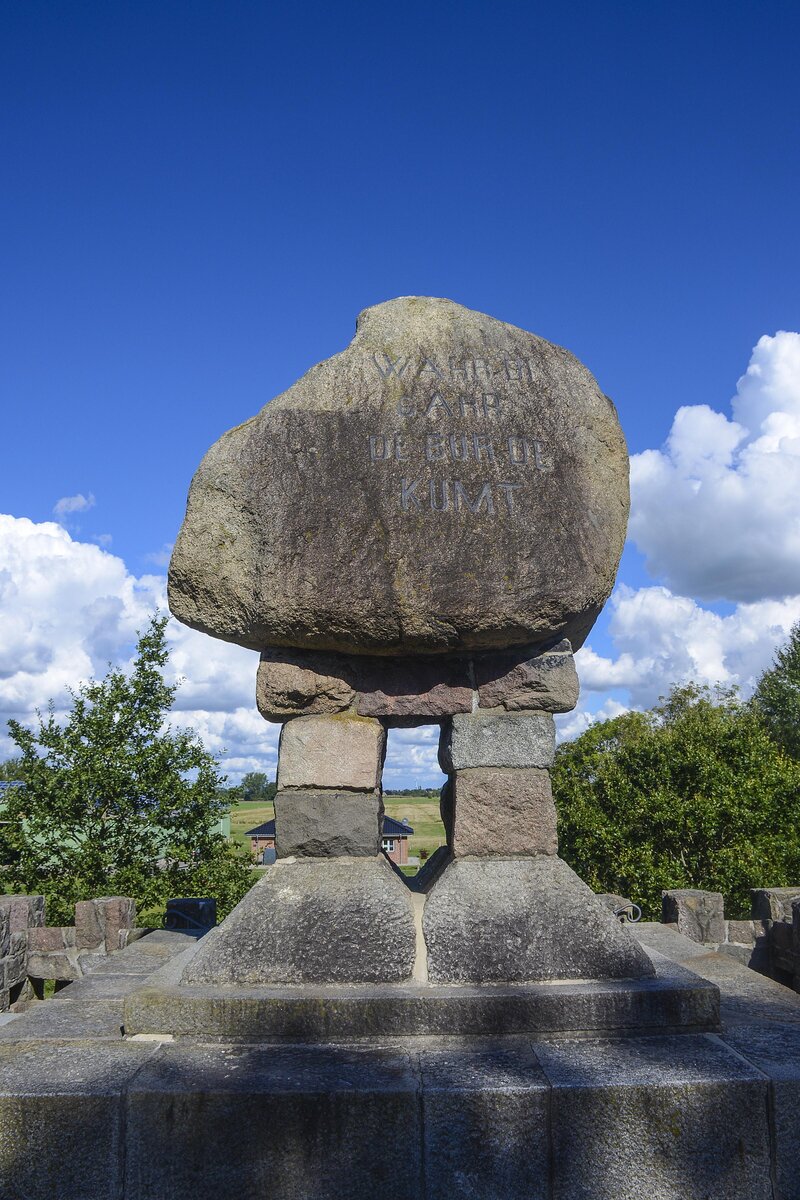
(33, 951)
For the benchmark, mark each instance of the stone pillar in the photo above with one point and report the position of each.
(329, 801)
(507, 909)
(331, 909)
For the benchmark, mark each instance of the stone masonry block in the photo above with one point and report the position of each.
(497, 739)
(340, 751)
(503, 810)
(313, 920)
(524, 680)
(23, 911)
(679, 1117)
(699, 915)
(774, 1049)
(5, 932)
(98, 922)
(51, 964)
(62, 1118)
(290, 1123)
(321, 824)
(486, 1123)
(14, 970)
(772, 904)
(515, 920)
(52, 937)
(294, 683)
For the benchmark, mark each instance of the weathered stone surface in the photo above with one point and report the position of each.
(775, 1050)
(513, 920)
(52, 937)
(341, 751)
(674, 999)
(62, 1119)
(497, 739)
(66, 1020)
(503, 810)
(297, 683)
(773, 904)
(698, 915)
(744, 933)
(529, 680)
(678, 1118)
(328, 824)
(340, 920)
(386, 503)
(98, 922)
(5, 932)
(49, 964)
(305, 682)
(465, 1094)
(288, 1123)
(22, 912)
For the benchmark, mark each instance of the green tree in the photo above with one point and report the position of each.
(694, 793)
(115, 801)
(11, 770)
(256, 787)
(777, 696)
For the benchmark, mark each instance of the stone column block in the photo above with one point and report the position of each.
(24, 912)
(339, 751)
(98, 922)
(773, 904)
(502, 811)
(699, 915)
(525, 680)
(498, 739)
(325, 824)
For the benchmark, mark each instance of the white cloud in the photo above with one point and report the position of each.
(716, 512)
(663, 639)
(160, 558)
(68, 608)
(73, 504)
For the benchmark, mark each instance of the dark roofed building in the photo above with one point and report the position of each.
(394, 841)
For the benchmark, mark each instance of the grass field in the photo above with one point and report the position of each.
(422, 813)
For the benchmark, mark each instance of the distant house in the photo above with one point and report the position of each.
(262, 842)
(394, 841)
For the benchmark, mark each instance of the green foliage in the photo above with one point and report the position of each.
(11, 770)
(116, 803)
(777, 696)
(257, 788)
(694, 793)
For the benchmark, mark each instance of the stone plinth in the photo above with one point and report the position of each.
(336, 920)
(503, 920)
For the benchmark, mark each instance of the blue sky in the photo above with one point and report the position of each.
(198, 198)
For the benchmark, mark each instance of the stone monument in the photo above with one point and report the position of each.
(422, 529)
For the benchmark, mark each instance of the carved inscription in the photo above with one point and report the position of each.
(465, 395)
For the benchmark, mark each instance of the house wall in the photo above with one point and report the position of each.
(400, 853)
(257, 844)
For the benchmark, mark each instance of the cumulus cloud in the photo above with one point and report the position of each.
(716, 511)
(73, 504)
(663, 639)
(68, 608)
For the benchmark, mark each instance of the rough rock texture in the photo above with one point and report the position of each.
(699, 915)
(498, 739)
(512, 920)
(523, 680)
(503, 810)
(293, 682)
(340, 751)
(773, 904)
(328, 824)
(340, 920)
(448, 482)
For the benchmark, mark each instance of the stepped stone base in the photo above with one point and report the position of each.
(90, 1113)
(673, 1000)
